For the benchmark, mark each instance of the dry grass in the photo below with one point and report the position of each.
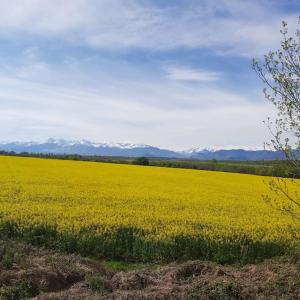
(45, 274)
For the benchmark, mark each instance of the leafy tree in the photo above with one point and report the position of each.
(280, 72)
(144, 161)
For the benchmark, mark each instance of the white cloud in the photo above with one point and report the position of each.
(190, 74)
(138, 109)
(242, 28)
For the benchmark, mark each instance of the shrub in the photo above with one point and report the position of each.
(143, 161)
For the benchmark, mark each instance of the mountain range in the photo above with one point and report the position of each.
(84, 147)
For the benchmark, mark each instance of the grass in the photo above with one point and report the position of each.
(35, 271)
(118, 265)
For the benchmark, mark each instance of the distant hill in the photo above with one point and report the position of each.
(237, 154)
(60, 146)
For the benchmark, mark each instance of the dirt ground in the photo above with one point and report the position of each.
(27, 272)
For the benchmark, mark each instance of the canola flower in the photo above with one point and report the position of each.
(146, 213)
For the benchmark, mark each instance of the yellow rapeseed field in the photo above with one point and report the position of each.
(163, 205)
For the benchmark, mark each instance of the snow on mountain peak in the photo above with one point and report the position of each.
(201, 150)
(122, 145)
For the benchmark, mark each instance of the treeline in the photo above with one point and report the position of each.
(277, 168)
(262, 168)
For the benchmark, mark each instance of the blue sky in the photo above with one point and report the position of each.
(175, 74)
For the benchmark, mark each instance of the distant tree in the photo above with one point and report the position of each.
(280, 72)
(144, 161)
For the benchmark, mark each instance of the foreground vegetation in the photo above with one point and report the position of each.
(140, 213)
(27, 271)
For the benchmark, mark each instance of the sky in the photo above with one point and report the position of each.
(175, 74)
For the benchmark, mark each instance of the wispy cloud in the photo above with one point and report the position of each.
(242, 28)
(190, 74)
(172, 115)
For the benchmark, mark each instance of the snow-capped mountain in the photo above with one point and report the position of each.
(68, 143)
(84, 147)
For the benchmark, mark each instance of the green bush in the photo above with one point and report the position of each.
(143, 161)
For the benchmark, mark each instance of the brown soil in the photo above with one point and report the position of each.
(30, 273)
